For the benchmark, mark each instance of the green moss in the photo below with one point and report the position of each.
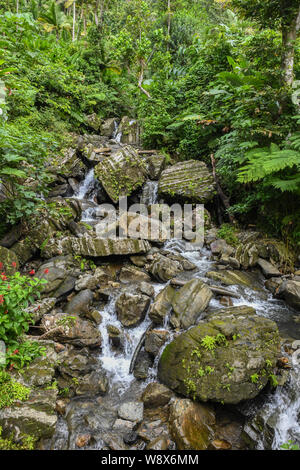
(26, 442)
(11, 391)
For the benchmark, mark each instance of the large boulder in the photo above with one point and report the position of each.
(247, 255)
(95, 247)
(189, 302)
(268, 269)
(69, 166)
(131, 309)
(233, 277)
(35, 417)
(162, 305)
(290, 292)
(191, 424)
(226, 359)
(165, 267)
(121, 173)
(188, 181)
(71, 329)
(81, 303)
(155, 165)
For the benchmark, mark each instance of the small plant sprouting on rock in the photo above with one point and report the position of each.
(211, 342)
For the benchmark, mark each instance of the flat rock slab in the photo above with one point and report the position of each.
(95, 247)
(268, 269)
(189, 181)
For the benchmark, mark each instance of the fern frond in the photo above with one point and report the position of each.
(292, 184)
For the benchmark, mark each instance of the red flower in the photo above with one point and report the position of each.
(15, 351)
(1, 265)
(32, 272)
(14, 264)
(46, 271)
(3, 277)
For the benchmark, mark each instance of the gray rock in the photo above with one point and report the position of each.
(154, 341)
(132, 411)
(268, 269)
(221, 247)
(80, 304)
(162, 305)
(189, 181)
(155, 395)
(131, 309)
(290, 292)
(217, 359)
(189, 301)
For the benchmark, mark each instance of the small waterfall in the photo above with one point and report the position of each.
(86, 185)
(117, 135)
(150, 193)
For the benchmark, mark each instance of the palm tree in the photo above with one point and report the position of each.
(54, 19)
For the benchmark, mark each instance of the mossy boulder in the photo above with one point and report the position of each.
(226, 359)
(188, 181)
(9, 261)
(234, 277)
(94, 247)
(121, 173)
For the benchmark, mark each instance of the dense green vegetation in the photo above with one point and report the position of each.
(218, 81)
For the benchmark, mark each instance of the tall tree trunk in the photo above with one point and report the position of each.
(74, 21)
(289, 36)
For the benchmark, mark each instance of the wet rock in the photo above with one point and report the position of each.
(95, 383)
(220, 246)
(154, 341)
(11, 237)
(61, 406)
(188, 303)
(191, 424)
(59, 274)
(218, 444)
(147, 289)
(155, 165)
(142, 365)
(232, 278)
(108, 127)
(83, 440)
(129, 274)
(138, 261)
(130, 438)
(69, 166)
(40, 308)
(163, 268)
(41, 371)
(130, 131)
(290, 292)
(268, 269)
(217, 359)
(160, 443)
(131, 309)
(74, 330)
(155, 395)
(121, 173)
(94, 247)
(36, 416)
(132, 411)
(80, 304)
(247, 255)
(162, 305)
(189, 181)
(9, 260)
(273, 284)
(115, 336)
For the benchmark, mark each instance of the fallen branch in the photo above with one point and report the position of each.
(138, 348)
(222, 195)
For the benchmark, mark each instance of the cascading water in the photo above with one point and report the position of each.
(150, 193)
(283, 406)
(117, 135)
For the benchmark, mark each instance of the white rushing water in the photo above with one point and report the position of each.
(86, 185)
(284, 404)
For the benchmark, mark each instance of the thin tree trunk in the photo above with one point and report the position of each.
(141, 78)
(222, 195)
(289, 36)
(169, 17)
(74, 21)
